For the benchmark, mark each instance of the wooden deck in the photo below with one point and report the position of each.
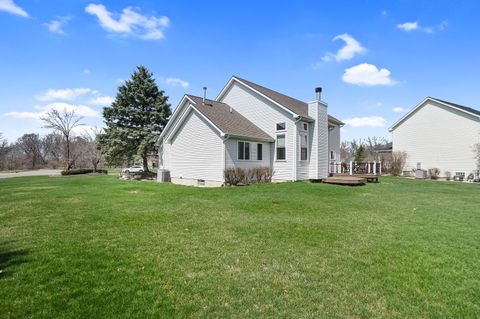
(369, 177)
(345, 180)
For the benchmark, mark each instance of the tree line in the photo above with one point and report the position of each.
(133, 123)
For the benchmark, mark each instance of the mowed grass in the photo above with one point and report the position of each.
(98, 247)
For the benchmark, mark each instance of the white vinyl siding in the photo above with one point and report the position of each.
(265, 115)
(334, 142)
(231, 150)
(303, 165)
(438, 136)
(196, 151)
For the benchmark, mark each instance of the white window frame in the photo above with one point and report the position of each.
(302, 126)
(276, 141)
(256, 157)
(249, 151)
(301, 135)
(281, 130)
(334, 157)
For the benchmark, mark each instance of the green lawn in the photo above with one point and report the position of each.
(88, 247)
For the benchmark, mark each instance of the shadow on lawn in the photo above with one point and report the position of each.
(9, 258)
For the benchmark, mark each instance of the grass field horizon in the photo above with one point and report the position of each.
(98, 247)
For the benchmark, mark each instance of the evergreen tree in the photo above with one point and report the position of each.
(359, 154)
(135, 119)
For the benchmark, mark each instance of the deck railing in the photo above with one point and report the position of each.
(352, 168)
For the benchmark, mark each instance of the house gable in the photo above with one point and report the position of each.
(438, 135)
(460, 110)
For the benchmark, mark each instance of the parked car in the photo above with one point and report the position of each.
(133, 169)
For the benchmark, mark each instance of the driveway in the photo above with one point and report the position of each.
(39, 172)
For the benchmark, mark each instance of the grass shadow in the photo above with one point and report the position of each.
(9, 258)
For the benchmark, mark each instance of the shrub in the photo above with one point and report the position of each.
(243, 176)
(397, 163)
(448, 175)
(80, 171)
(434, 173)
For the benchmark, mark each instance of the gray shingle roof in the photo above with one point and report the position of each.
(228, 120)
(294, 105)
(465, 108)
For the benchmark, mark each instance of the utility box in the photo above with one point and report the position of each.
(420, 174)
(163, 176)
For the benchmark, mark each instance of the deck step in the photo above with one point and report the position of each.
(345, 180)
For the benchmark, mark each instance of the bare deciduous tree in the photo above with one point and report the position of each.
(63, 122)
(476, 150)
(53, 146)
(93, 152)
(4, 148)
(398, 162)
(31, 145)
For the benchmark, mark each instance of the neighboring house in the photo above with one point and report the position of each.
(248, 126)
(438, 134)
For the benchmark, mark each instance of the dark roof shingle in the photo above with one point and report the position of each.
(228, 120)
(465, 108)
(294, 105)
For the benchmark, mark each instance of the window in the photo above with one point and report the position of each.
(305, 127)
(281, 156)
(281, 126)
(243, 150)
(303, 147)
(332, 155)
(259, 152)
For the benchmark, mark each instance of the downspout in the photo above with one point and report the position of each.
(295, 147)
(226, 137)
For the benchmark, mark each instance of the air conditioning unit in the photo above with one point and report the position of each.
(163, 176)
(421, 174)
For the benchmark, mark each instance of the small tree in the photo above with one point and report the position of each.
(476, 150)
(63, 122)
(4, 148)
(360, 153)
(92, 151)
(135, 119)
(398, 162)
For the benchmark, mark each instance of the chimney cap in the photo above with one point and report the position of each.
(318, 89)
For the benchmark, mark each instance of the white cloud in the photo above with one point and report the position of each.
(348, 51)
(56, 25)
(408, 26)
(176, 82)
(384, 13)
(415, 26)
(11, 7)
(102, 101)
(368, 75)
(81, 110)
(367, 121)
(129, 22)
(63, 94)
(86, 71)
(398, 109)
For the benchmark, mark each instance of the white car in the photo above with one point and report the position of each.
(133, 169)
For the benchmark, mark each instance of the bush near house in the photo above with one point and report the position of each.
(397, 163)
(448, 175)
(80, 171)
(433, 173)
(243, 176)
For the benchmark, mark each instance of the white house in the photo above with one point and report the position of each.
(438, 134)
(248, 125)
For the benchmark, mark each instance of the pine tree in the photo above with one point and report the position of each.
(135, 119)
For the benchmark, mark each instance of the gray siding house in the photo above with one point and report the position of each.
(246, 126)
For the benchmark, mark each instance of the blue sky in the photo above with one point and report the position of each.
(374, 59)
